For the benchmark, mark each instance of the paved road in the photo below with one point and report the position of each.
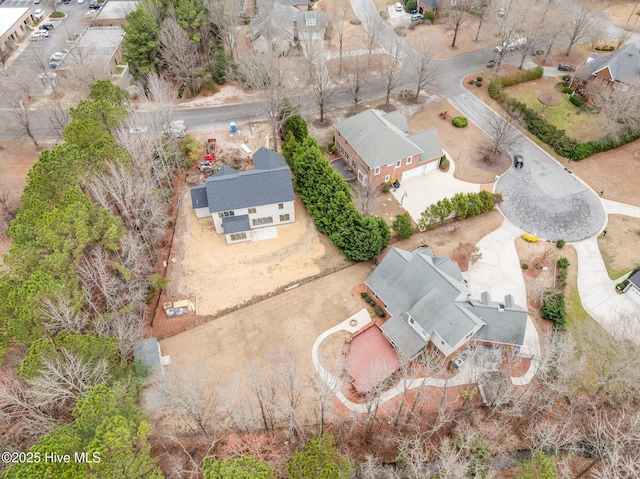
(543, 198)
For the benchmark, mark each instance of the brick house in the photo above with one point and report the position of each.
(620, 69)
(379, 148)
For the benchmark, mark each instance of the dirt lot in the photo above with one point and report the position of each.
(288, 323)
(620, 248)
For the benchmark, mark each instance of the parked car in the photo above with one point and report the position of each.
(536, 52)
(398, 7)
(493, 62)
(95, 6)
(416, 17)
(36, 2)
(54, 65)
(48, 75)
(501, 12)
(511, 46)
(38, 13)
(46, 26)
(136, 130)
(38, 34)
(80, 2)
(566, 67)
(518, 161)
(58, 56)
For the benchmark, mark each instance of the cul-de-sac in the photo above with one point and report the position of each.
(320, 239)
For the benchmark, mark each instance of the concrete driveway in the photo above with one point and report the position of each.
(417, 193)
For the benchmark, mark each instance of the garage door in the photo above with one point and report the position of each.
(634, 294)
(420, 170)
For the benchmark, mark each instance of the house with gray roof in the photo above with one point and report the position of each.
(620, 69)
(379, 147)
(248, 205)
(280, 24)
(633, 289)
(428, 303)
(147, 351)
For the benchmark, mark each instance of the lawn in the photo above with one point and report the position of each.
(581, 125)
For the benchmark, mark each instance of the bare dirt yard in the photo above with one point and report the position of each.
(620, 248)
(288, 323)
(219, 276)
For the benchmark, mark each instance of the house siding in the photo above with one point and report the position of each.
(264, 211)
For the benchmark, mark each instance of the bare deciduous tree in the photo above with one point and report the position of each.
(226, 17)
(624, 34)
(373, 26)
(181, 61)
(322, 85)
(422, 67)
(264, 73)
(617, 104)
(390, 69)
(503, 136)
(456, 18)
(582, 22)
(366, 196)
(356, 82)
(338, 18)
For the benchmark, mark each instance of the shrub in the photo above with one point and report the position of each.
(429, 16)
(530, 238)
(479, 79)
(622, 285)
(411, 5)
(471, 82)
(402, 226)
(371, 301)
(57, 15)
(563, 262)
(459, 122)
(444, 162)
(386, 187)
(560, 243)
(363, 294)
(479, 84)
(366, 298)
(379, 312)
(566, 77)
(553, 308)
(525, 266)
(576, 101)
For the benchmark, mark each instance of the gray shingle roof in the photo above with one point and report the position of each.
(235, 224)
(430, 290)
(377, 140)
(267, 159)
(623, 64)
(635, 278)
(429, 142)
(199, 197)
(427, 288)
(504, 327)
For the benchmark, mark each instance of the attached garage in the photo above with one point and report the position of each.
(633, 290)
(420, 170)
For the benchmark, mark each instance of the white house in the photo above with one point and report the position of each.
(248, 205)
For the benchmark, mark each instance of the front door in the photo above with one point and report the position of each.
(362, 178)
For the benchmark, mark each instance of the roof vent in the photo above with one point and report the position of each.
(501, 308)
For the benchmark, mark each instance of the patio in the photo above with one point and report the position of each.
(345, 170)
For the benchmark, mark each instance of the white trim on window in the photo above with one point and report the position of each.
(409, 159)
(387, 178)
(398, 163)
(376, 171)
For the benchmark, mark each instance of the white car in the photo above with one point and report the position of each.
(398, 7)
(38, 13)
(136, 130)
(80, 2)
(58, 56)
(48, 75)
(40, 34)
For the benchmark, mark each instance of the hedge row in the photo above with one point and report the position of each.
(327, 199)
(556, 138)
(461, 206)
(553, 305)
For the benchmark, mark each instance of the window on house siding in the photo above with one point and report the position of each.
(280, 206)
(435, 349)
(411, 320)
(262, 221)
(387, 178)
(251, 210)
(376, 171)
(226, 214)
(409, 160)
(238, 236)
(398, 163)
(285, 217)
